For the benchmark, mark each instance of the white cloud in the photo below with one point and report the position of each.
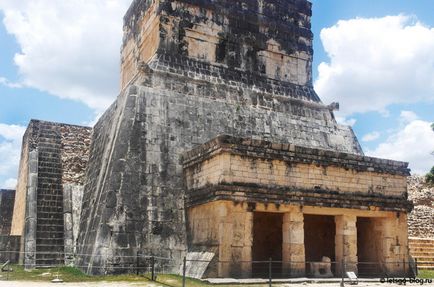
(413, 143)
(375, 63)
(5, 82)
(10, 183)
(408, 117)
(371, 137)
(68, 48)
(10, 150)
(344, 121)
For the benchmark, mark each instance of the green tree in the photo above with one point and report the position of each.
(430, 175)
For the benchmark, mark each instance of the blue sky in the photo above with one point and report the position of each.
(59, 61)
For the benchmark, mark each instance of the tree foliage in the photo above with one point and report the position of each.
(430, 175)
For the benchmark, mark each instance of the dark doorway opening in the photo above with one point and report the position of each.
(319, 239)
(368, 248)
(267, 243)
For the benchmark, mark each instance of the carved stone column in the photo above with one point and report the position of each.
(346, 243)
(293, 255)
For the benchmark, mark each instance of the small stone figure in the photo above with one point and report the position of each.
(321, 269)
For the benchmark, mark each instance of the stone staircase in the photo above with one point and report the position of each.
(49, 230)
(422, 249)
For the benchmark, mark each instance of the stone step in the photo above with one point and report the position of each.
(422, 248)
(50, 228)
(49, 250)
(49, 234)
(48, 263)
(424, 259)
(50, 241)
(50, 208)
(416, 239)
(53, 200)
(421, 262)
(51, 220)
(425, 267)
(422, 254)
(48, 212)
(411, 243)
(421, 244)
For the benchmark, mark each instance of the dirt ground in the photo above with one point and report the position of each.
(127, 284)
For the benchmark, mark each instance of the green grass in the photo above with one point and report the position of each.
(71, 274)
(426, 274)
(67, 274)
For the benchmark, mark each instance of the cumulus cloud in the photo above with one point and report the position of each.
(68, 48)
(5, 82)
(413, 143)
(375, 63)
(10, 183)
(371, 137)
(408, 116)
(10, 143)
(344, 121)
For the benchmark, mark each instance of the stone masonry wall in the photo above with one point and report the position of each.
(7, 199)
(19, 213)
(240, 169)
(421, 219)
(134, 195)
(53, 155)
(10, 248)
(174, 99)
(269, 38)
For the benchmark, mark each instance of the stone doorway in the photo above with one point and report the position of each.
(368, 247)
(267, 243)
(319, 239)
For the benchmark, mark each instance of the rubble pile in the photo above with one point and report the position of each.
(421, 219)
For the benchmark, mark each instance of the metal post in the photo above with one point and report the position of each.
(405, 271)
(184, 269)
(137, 263)
(417, 270)
(269, 271)
(9, 268)
(342, 272)
(153, 268)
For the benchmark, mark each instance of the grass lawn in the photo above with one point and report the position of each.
(67, 274)
(70, 274)
(426, 274)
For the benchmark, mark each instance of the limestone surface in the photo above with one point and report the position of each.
(421, 219)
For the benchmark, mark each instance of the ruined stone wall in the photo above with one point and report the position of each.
(421, 219)
(53, 155)
(17, 227)
(134, 165)
(175, 98)
(269, 38)
(10, 248)
(7, 199)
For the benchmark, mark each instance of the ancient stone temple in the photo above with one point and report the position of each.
(218, 145)
(157, 182)
(48, 198)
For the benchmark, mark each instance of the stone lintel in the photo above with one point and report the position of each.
(254, 148)
(296, 196)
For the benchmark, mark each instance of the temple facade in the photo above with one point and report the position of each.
(217, 144)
